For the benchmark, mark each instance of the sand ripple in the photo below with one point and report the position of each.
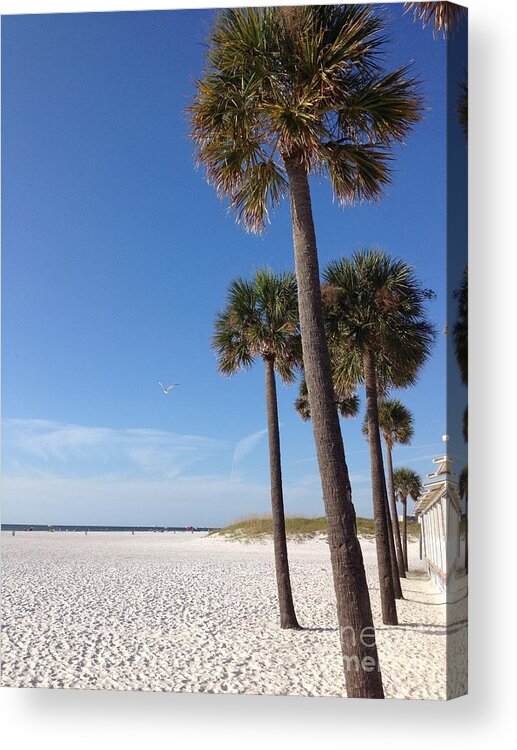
(181, 612)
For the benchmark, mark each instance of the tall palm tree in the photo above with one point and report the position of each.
(397, 571)
(407, 483)
(464, 493)
(287, 92)
(396, 425)
(378, 333)
(261, 320)
(445, 17)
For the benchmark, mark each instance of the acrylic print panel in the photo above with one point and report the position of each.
(235, 351)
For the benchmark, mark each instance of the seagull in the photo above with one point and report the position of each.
(168, 388)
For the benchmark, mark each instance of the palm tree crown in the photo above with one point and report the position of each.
(407, 482)
(260, 319)
(303, 83)
(375, 302)
(347, 404)
(395, 422)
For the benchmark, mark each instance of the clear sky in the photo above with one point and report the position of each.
(117, 255)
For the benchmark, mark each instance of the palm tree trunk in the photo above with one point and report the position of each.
(360, 658)
(393, 510)
(404, 503)
(283, 581)
(397, 588)
(388, 606)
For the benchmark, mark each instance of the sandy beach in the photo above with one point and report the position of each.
(187, 612)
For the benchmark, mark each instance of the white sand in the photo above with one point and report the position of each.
(185, 612)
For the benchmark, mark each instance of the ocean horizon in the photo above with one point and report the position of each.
(94, 527)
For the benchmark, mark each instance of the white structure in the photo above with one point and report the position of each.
(438, 512)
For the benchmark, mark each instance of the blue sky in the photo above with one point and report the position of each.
(117, 255)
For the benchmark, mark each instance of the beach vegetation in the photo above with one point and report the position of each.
(298, 528)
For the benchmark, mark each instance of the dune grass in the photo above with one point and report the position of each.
(300, 528)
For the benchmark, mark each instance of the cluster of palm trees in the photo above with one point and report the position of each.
(288, 92)
(378, 335)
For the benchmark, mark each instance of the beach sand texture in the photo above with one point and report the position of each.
(191, 613)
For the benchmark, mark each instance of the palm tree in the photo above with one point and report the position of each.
(287, 92)
(444, 16)
(261, 320)
(397, 571)
(396, 425)
(460, 335)
(460, 331)
(464, 493)
(378, 333)
(407, 483)
(347, 404)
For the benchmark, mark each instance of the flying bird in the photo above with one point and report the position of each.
(168, 388)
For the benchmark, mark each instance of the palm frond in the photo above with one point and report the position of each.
(395, 422)
(463, 483)
(443, 16)
(406, 483)
(258, 190)
(383, 107)
(460, 331)
(347, 403)
(375, 303)
(260, 320)
(358, 173)
(307, 82)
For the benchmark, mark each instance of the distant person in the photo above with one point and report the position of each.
(13, 532)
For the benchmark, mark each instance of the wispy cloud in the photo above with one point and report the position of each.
(69, 473)
(244, 447)
(82, 449)
(73, 473)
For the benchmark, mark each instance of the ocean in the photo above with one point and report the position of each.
(73, 527)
